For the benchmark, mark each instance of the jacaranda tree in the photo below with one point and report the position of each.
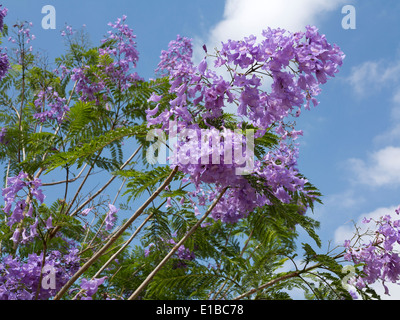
(184, 186)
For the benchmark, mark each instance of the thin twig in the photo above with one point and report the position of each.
(64, 181)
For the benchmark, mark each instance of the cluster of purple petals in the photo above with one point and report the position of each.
(110, 217)
(87, 83)
(10, 194)
(24, 38)
(56, 105)
(298, 63)
(22, 208)
(379, 257)
(90, 287)
(210, 155)
(4, 63)
(183, 253)
(277, 172)
(124, 53)
(62, 71)
(207, 163)
(21, 279)
(122, 50)
(3, 133)
(177, 57)
(3, 13)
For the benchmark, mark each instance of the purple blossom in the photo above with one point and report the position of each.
(86, 211)
(168, 205)
(4, 65)
(24, 38)
(122, 49)
(379, 258)
(57, 106)
(49, 223)
(87, 83)
(3, 133)
(91, 287)
(177, 57)
(110, 217)
(3, 13)
(19, 280)
(11, 195)
(182, 253)
(315, 58)
(154, 98)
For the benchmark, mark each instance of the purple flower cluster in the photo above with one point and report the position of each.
(183, 253)
(110, 217)
(297, 63)
(3, 133)
(210, 155)
(177, 57)
(120, 46)
(277, 173)
(88, 84)
(90, 287)
(205, 163)
(23, 39)
(10, 194)
(69, 31)
(124, 53)
(22, 208)
(57, 106)
(30, 280)
(3, 13)
(379, 258)
(4, 63)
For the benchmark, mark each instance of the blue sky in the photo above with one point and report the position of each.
(351, 144)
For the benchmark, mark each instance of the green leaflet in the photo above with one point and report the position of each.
(140, 181)
(87, 150)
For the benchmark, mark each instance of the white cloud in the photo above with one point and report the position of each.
(245, 17)
(382, 168)
(396, 100)
(371, 76)
(392, 135)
